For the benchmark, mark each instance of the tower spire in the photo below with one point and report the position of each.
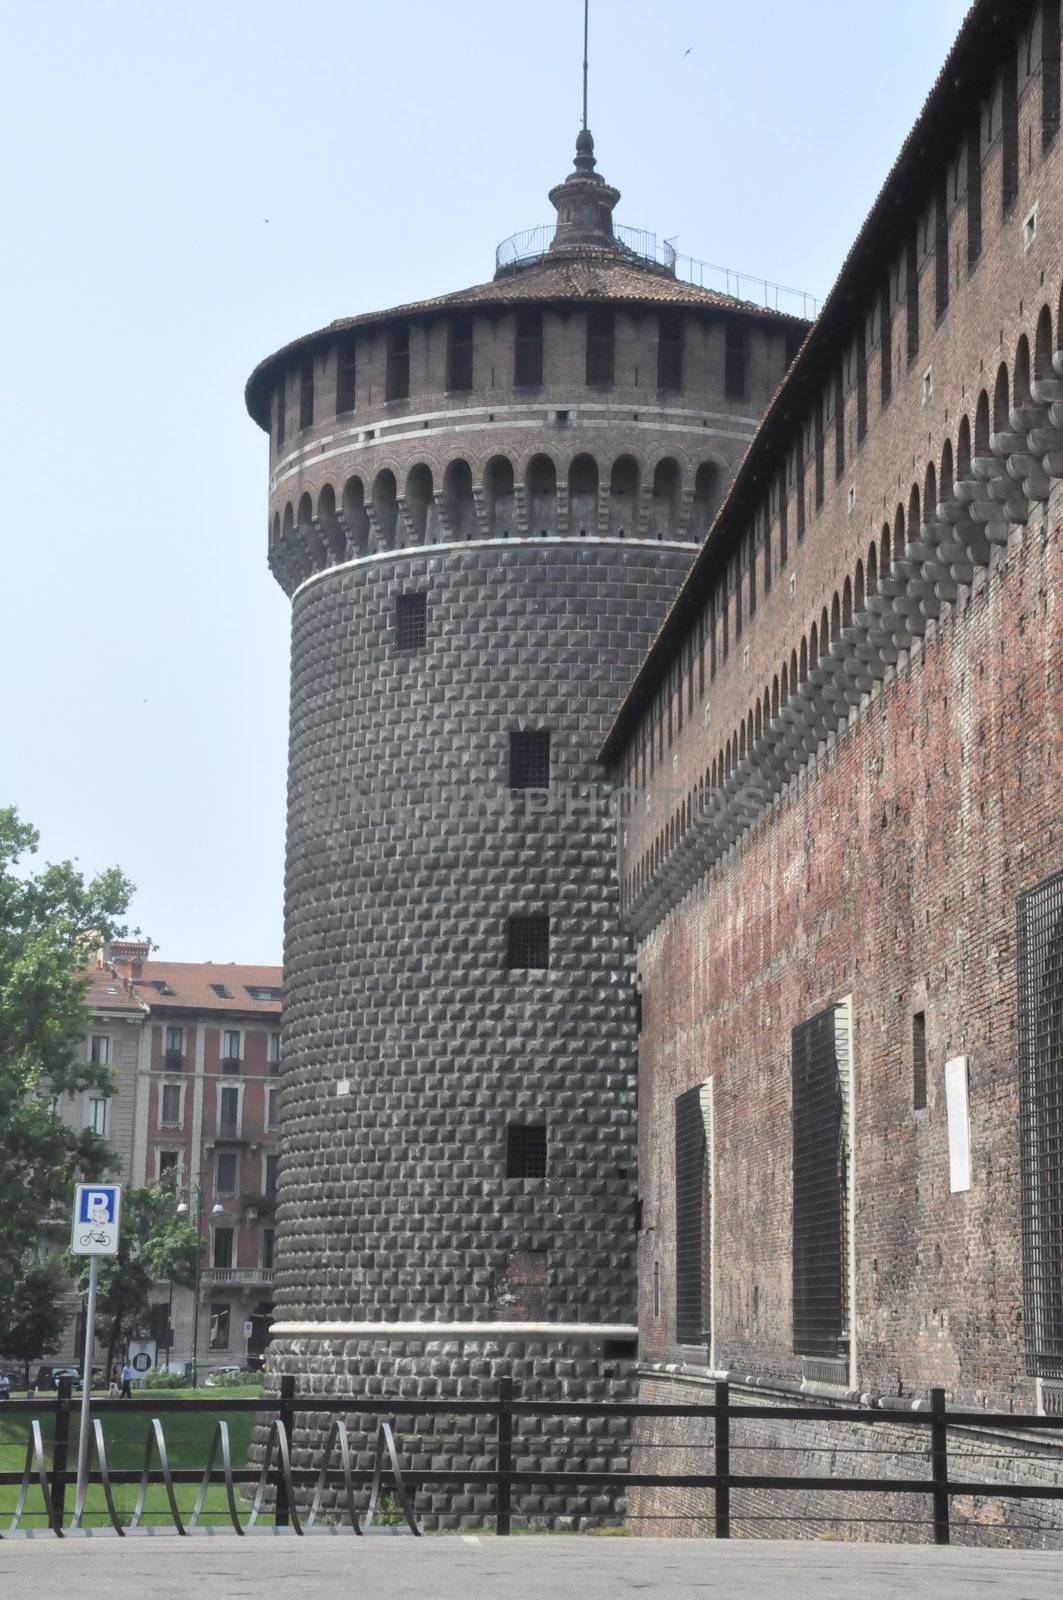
(586, 34)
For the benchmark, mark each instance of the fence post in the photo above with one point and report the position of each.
(722, 1460)
(60, 1453)
(286, 1417)
(939, 1465)
(504, 1466)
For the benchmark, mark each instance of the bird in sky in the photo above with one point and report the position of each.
(687, 52)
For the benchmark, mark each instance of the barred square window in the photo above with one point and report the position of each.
(528, 943)
(529, 760)
(526, 1150)
(411, 621)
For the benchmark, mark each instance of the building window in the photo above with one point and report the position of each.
(528, 943)
(529, 760)
(397, 379)
(225, 1175)
(1009, 134)
(941, 251)
(911, 294)
(100, 1050)
(229, 1113)
(175, 1049)
(269, 1179)
(273, 1108)
(736, 362)
(222, 1248)
(170, 1112)
(526, 1150)
(230, 1050)
(885, 346)
(459, 354)
(1041, 1123)
(96, 1115)
(601, 347)
(817, 423)
(919, 1061)
(1049, 72)
(528, 350)
(219, 1327)
(839, 422)
(411, 621)
(670, 352)
(274, 1057)
(306, 393)
(346, 375)
(281, 411)
(974, 194)
(169, 1161)
(268, 1238)
(820, 1125)
(693, 1213)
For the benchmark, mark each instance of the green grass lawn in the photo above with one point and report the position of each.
(188, 1439)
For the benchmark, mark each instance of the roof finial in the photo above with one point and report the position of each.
(586, 32)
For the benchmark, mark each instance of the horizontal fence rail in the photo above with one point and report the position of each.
(277, 1481)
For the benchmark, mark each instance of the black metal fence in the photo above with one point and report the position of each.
(293, 1498)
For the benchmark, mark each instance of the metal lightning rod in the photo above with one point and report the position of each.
(586, 31)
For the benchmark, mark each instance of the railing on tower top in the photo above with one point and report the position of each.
(523, 249)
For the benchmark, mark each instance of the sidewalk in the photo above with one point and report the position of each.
(456, 1567)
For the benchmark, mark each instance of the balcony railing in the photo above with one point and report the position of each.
(174, 1061)
(238, 1275)
(643, 247)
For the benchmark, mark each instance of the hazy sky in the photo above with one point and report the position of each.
(188, 186)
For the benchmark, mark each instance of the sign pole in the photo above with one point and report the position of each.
(86, 1390)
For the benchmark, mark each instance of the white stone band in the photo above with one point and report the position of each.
(453, 1330)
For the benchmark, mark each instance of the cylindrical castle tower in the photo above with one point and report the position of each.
(481, 506)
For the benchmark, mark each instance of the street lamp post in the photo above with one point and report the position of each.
(182, 1211)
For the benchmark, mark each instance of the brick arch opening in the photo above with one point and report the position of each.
(326, 503)
(624, 482)
(945, 487)
(708, 493)
(583, 496)
(847, 602)
(275, 529)
(289, 518)
(306, 510)
(500, 497)
(1001, 401)
(872, 572)
(386, 507)
(981, 425)
(1021, 382)
(541, 485)
(1042, 347)
(858, 588)
(355, 516)
(458, 500)
(664, 516)
(898, 534)
(421, 505)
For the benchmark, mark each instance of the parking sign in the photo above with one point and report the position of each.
(97, 1210)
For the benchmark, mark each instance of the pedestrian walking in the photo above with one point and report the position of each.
(5, 1386)
(127, 1382)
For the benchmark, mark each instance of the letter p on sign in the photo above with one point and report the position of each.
(97, 1208)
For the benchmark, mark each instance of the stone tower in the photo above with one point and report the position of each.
(481, 505)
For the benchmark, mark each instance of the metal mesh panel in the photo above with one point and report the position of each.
(411, 621)
(692, 1239)
(526, 1150)
(1041, 1122)
(528, 942)
(820, 1241)
(529, 760)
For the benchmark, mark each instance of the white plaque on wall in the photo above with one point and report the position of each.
(958, 1113)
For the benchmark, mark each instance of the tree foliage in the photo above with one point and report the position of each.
(33, 1315)
(51, 923)
(154, 1245)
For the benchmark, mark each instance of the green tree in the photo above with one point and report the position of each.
(51, 922)
(154, 1245)
(33, 1317)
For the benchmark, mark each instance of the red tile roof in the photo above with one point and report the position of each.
(109, 992)
(578, 277)
(208, 986)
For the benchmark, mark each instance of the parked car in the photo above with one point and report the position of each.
(48, 1377)
(222, 1375)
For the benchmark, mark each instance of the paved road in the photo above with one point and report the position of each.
(528, 1568)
